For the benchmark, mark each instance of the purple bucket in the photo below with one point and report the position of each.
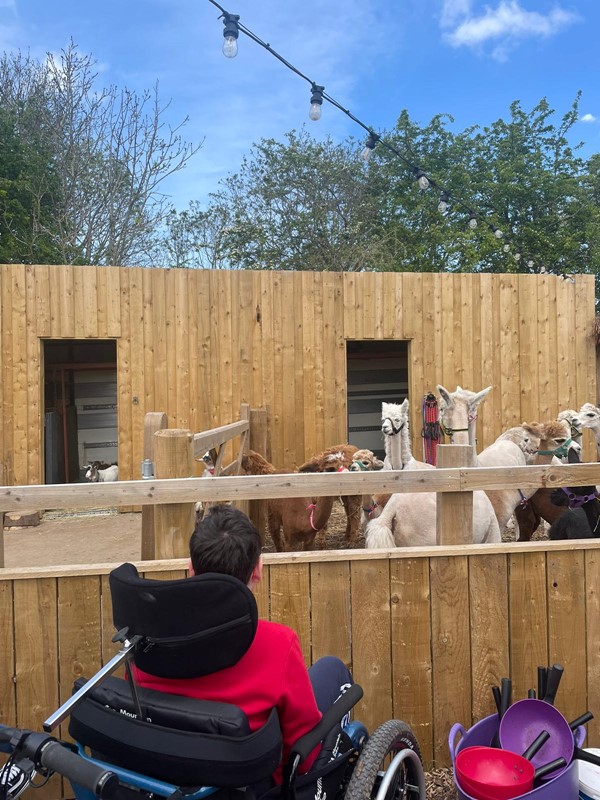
(563, 787)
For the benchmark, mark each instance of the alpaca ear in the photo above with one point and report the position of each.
(479, 397)
(444, 394)
(404, 405)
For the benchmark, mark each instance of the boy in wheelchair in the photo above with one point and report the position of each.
(218, 700)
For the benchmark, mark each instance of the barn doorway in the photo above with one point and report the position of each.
(376, 371)
(80, 407)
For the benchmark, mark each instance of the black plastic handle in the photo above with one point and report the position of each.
(554, 675)
(496, 693)
(550, 767)
(542, 673)
(536, 745)
(581, 720)
(531, 694)
(506, 695)
(584, 755)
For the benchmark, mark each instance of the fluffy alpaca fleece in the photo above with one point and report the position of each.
(333, 460)
(396, 438)
(372, 505)
(293, 521)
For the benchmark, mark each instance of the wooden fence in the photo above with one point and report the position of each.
(425, 631)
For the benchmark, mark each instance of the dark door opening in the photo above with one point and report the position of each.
(80, 407)
(377, 371)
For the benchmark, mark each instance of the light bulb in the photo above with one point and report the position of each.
(530, 264)
(517, 256)
(498, 233)
(366, 153)
(473, 222)
(315, 111)
(424, 182)
(230, 47)
(506, 248)
(443, 204)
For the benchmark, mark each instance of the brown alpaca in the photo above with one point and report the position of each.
(372, 505)
(293, 521)
(333, 460)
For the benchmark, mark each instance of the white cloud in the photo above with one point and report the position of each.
(502, 26)
(588, 118)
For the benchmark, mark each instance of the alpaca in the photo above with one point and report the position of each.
(293, 521)
(99, 472)
(589, 416)
(366, 461)
(409, 519)
(458, 413)
(336, 459)
(581, 519)
(396, 437)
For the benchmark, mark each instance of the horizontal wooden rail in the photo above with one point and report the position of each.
(248, 487)
(215, 437)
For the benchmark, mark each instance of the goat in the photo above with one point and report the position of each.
(97, 471)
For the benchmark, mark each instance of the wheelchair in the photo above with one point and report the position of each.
(135, 743)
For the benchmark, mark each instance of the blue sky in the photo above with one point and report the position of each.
(466, 58)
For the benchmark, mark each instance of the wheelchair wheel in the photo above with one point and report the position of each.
(389, 739)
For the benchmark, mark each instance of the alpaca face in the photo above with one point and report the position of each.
(334, 462)
(553, 435)
(394, 417)
(589, 415)
(365, 461)
(572, 417)
(459, 408)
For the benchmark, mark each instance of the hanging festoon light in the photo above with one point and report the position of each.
(498, 233)
(316, 101)
(443, 204)
(231, 32)
(422, 179)
(370, 145)
(472, 220)
(506, 247)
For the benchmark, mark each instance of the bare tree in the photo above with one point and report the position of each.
(111, 150)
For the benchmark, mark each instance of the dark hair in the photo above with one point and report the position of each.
(225, 541)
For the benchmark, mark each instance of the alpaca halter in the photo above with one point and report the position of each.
(578, 500)
(560, 451)
(451, 431)
(395, 430)
(311, 508)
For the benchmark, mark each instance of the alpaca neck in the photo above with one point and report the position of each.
(321, 512)
(405, 449)
(543, 459)
(393, 449)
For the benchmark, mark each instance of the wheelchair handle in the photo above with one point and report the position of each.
(45, 751)
(334, 715)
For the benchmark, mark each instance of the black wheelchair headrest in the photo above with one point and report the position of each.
(191, 626)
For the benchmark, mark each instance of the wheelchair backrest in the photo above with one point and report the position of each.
(191, 627)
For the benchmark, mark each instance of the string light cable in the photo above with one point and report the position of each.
(231, 30)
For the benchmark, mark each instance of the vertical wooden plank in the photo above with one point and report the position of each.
(79, 323)
(228, 412)
(40, 276)
(349, 288)
(268, 350)
(545, 348)
(124, 405)
(258, 389)
(89, 309)
(290, 601)
(158, 294)
(372, 662)
(8, 706)
(448, 373)
(55, 302)
(79, 631)
(193, 345)
(528, 618)
(6, 357)
(148, 329)
(566, 627)
(509, 352)
(102, 310)
(320, 363)
(308, 358)
(378, 312)
(182, 347)
(430, 358)
(262, 593)
(468, 334)
(528, 346)
(236, 327)
(592, 638)
(66, 299)
(366, 287)
(36, 661)
(450, 626)
(360, 308)
(483, 300)
(300, 370)
(205, 346)
(565, 342)
(331, 612)
(490, 654)
(171, 345)
(244, 340)
(138, 391)
(340, 427)
(19, 373)
(499, 423)
(35, 425)
(113, 304)
(287, 397)
(585, 351)
(109, 648)
(411, 648)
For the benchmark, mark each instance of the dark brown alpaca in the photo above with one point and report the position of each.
(293, 521)
(332, 460)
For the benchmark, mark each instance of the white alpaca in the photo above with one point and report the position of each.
(574, 420)
(589, 416)
(409, 519)
(396, 438)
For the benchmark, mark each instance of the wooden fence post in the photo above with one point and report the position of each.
(153, 421)
(258, 442)
(173, 522)
(455, 509)
(1, 539)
